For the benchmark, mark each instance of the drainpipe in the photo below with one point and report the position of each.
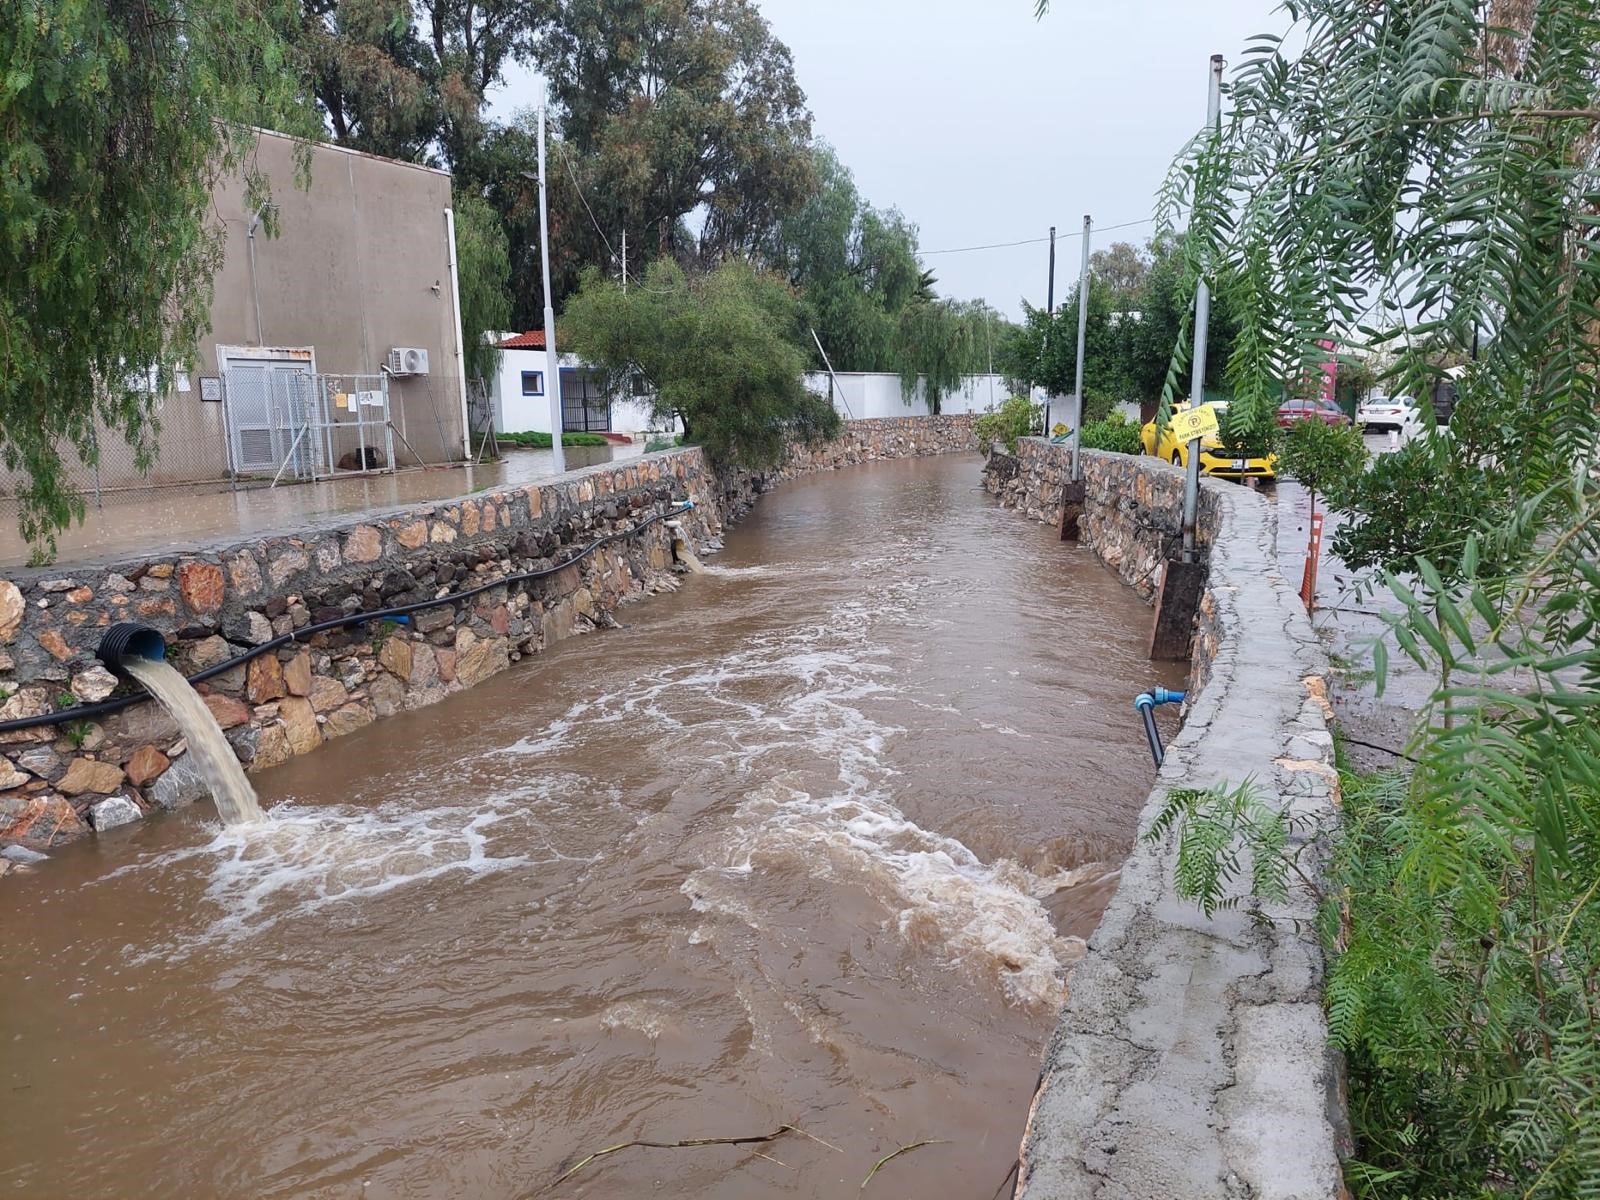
(461, 352)
(255, 290)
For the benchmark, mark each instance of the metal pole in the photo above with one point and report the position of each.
(624, 261)
(1050, 311)
(552, 365)
(1083, 325)
(1202, 322)
(832, 377)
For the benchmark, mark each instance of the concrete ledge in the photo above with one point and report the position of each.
(1192, 1057)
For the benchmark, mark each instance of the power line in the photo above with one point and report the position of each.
(1039, 241)
(567, 158)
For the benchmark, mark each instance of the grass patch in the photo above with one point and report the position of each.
(533, 439)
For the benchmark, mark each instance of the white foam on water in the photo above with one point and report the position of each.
(303, 860)
(939, 894)
(815, 684)
(649, 1017)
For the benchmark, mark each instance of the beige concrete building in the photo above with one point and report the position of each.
(363, 266)
(353, 305)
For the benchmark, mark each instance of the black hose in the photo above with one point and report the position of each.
(84, 712)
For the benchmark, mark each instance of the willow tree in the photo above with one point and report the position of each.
(1424, 174)
(118, 118)
(720, 351)
(483, 260)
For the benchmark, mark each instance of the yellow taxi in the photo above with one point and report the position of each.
(1212, 459)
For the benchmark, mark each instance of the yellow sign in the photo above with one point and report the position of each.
(1058, 429)
(1194, 423)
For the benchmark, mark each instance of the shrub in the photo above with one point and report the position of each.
(1322, 458)
(1017, 417)
(1113, 432)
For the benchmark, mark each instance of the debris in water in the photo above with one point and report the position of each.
(896, 1154)
(688, 1143)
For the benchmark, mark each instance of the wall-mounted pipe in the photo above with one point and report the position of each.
(83, 712)
(1145, 704)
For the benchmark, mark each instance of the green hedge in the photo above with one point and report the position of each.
(536, 440)
(1112, 432)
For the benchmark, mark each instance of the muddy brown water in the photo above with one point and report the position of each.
(805, 842)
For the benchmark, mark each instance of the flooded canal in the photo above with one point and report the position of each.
(808, 842)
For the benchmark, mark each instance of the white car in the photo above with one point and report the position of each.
(1389, 412)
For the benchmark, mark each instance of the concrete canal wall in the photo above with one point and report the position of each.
(61, 782)
(1192, 1057)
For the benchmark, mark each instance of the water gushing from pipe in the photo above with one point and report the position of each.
(235, 798)
(140, 653)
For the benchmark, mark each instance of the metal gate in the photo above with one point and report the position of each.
(287, 423)
(585, 407)
(268, 405)
(353, 433)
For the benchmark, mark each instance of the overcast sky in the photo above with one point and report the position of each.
(983, 125)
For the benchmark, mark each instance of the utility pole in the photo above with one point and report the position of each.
(552, 365)
(1050, 311)
(1073, 490)
(1183, 579)
(1083, 325)
(624, 260)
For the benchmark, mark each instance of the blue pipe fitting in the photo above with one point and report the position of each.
(1145, 705)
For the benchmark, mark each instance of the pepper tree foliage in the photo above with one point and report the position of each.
(1439, 160)
(118, 119)
(720, 350)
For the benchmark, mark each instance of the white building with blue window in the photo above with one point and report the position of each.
(522, 398)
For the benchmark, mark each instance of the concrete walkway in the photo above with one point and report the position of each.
(1192, 1058)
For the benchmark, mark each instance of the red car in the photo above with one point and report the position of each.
(1325, 411)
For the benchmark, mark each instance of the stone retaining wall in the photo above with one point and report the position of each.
(60, 783)
(1192, 1056)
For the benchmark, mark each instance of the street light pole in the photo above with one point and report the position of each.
(1050, 312)
(1202, 326)
(1184, 578)
(552, 366)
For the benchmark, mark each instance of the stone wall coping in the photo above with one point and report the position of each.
(1192, 1056)
(321, 524)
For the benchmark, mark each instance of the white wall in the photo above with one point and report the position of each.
(866, 394)
(516, 413)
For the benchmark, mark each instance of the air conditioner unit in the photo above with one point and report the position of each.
(408, 360)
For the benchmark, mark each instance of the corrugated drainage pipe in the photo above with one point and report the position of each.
(126, 640)
(1145, 703)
